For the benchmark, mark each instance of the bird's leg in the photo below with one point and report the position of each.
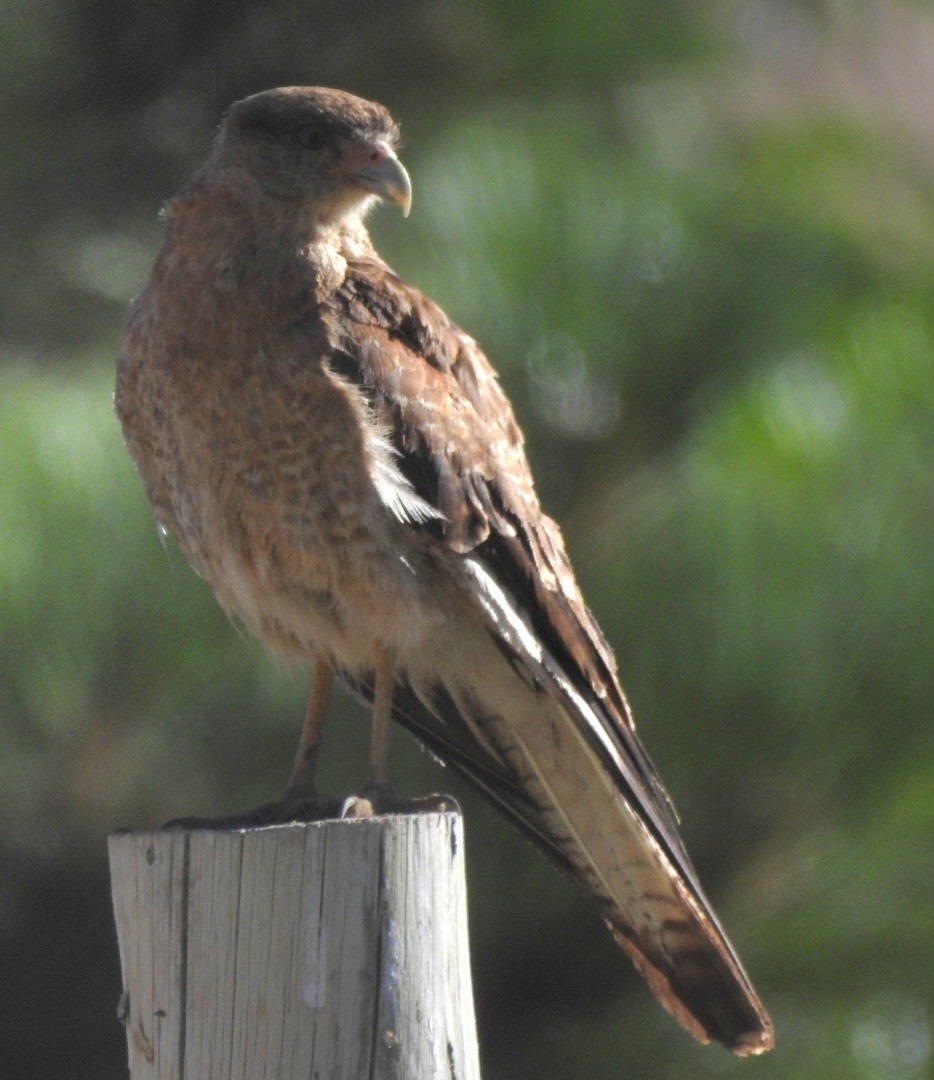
(302, 781)
(301, 801)
(377, 797)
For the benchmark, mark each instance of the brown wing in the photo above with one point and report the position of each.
(462, 451)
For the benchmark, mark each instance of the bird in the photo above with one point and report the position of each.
(338, 460)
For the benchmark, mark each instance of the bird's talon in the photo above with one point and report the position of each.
(283, 811)
(356, 806)
(375, 801)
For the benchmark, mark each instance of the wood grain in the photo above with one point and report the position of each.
(332, 949)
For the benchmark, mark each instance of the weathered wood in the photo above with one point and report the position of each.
(335, 950)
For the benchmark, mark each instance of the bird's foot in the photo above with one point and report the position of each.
(373, 801)
(291, 807)
(376, 800)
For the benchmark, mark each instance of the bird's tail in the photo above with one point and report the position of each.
(540, 769)
(648, 893)
(576, 779)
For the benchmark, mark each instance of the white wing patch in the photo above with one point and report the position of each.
(394, 490)
(502, 611)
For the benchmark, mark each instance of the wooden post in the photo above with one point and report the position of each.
(335, 950)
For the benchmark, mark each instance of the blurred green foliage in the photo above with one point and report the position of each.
(697, 242)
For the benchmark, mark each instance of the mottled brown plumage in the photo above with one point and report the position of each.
(338, 461)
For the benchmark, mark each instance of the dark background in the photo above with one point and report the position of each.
(696, 239)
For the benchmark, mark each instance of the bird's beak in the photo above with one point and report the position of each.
(388, 179)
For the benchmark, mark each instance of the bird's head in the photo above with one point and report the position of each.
(322, 148)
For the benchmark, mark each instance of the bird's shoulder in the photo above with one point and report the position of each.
(431, 385)
(423, 353)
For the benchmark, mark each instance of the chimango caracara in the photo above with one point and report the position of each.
(337, 459)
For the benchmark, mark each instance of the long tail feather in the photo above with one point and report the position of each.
(504, 714)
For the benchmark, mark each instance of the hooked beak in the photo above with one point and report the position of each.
(387, 178)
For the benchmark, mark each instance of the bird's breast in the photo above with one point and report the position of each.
(261, 462)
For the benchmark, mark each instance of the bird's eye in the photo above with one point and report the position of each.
(312, 137)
